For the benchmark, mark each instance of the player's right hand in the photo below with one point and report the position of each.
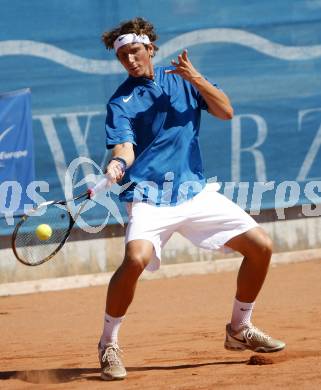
(114, 171)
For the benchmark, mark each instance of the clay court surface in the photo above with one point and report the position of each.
(172, 337)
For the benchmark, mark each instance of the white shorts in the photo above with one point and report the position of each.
(208, 220)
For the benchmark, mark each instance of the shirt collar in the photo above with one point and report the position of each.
(145, 80)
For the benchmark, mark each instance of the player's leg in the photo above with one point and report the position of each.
(256, 247)
(217, 222)
(149, 228)
(122, 285)
(120, 294)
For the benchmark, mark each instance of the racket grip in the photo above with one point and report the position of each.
(101, 185)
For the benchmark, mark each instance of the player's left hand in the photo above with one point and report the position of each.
(184, 67)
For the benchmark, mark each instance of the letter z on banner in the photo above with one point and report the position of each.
(16, 150)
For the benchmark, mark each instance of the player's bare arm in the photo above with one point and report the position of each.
(115, 168)
(218, 103)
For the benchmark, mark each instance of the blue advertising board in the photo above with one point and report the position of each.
(265, 55)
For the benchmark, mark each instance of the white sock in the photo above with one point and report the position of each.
(110, 331)
(241, 315)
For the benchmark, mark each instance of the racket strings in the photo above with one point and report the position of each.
(33, 249)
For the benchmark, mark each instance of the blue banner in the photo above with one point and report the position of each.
(16, 151)
(265, 55)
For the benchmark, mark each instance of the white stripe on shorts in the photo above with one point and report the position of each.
(208, 220)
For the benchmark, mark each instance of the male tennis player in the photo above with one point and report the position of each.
(152, 125)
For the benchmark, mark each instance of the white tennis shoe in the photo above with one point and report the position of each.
(112, 367)
(250, 337)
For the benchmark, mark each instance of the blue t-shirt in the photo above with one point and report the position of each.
(161, 118)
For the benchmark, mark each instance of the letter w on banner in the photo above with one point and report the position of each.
(16, 151)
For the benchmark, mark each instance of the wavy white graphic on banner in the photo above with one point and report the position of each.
(197, 37)
(5, 132)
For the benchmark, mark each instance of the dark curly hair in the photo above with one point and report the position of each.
(137, 25)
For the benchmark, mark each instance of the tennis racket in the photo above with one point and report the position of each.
(43, 231)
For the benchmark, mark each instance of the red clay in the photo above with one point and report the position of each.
(172, 337)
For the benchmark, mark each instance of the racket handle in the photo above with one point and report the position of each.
(101, 185)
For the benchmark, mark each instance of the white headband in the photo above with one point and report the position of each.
(130, 38)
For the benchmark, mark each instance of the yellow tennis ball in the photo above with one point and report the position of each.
(43, 232)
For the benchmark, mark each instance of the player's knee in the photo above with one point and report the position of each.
(265, 246)
(257, 246)
(135, 263)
